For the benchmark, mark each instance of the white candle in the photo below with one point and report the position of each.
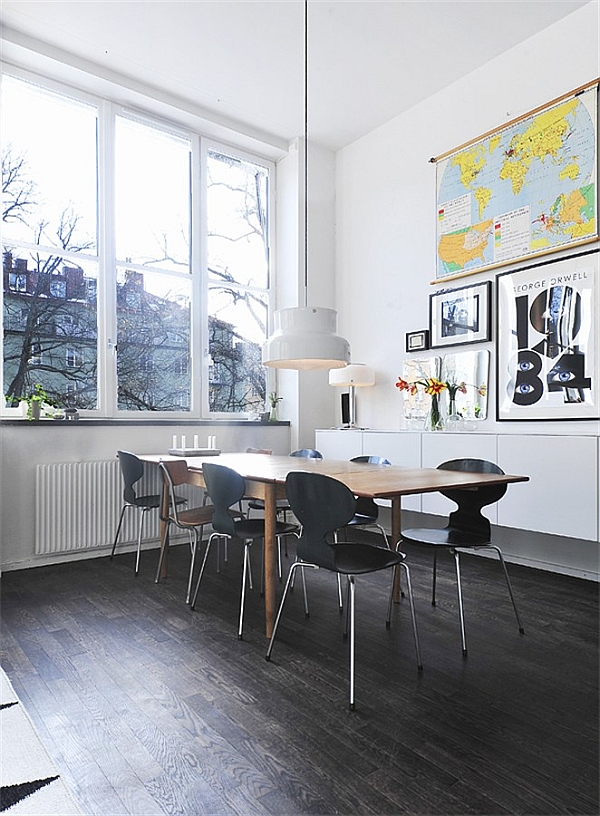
(174, 443)
(183, 442)
(195, 440)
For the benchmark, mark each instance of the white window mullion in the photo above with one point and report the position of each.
(199, 338)
(107, 301)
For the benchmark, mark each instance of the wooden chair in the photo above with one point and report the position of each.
(191, 520)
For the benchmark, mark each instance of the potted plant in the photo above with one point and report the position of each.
(36, 400)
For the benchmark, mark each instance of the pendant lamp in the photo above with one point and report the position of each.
(305, 337)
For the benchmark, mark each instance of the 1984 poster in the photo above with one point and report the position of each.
(548, 359)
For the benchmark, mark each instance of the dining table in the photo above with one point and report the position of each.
(265, 476)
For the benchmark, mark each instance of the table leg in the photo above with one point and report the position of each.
(270, 550)
(396, 533)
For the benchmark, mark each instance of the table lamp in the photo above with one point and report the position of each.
(355, 375)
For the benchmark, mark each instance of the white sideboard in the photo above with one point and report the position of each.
(561, 499)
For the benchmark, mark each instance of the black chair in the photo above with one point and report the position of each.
(132, 470)
(467, 529)
(226, 488)
(191, 520)
(323, 506)
(367, 510)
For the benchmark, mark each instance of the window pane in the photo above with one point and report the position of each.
(152, 197)
(50, 328)
(237, 330)
(237, 201)
(49, 175)
(153, 341)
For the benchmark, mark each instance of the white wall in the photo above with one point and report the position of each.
(385, 189)
(24, 446)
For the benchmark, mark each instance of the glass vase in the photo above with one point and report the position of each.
(434, 420)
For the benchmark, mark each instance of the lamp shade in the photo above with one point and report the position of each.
(305, 338)
(355, 374)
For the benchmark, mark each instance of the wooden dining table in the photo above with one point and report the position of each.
(265, 477)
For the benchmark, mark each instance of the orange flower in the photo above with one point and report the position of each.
(403, 385)
(434, 387)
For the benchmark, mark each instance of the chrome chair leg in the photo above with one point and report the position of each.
(194, 545)
(202, 567)
(163, 549)
(245, 572)
(304, 594)
(461, 612)
(288, 584)
(340, 596)
(139, 540)
(413, 616)
(510, 591)
(351, 593)
(114, 546)
(412, 611)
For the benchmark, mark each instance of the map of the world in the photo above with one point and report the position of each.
(524, 190)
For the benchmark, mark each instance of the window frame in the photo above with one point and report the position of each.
(107, 263)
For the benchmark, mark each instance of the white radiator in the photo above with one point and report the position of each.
(77, 506)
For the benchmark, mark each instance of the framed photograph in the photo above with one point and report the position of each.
(417, 341)
(460, 316)
(548, 360)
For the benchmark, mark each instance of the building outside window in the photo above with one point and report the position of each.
(110, 178)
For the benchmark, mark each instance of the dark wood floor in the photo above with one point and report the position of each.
(150, 708)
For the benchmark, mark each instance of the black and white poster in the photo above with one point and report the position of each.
(547, 347)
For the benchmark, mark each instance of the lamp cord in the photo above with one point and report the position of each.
(305, 153)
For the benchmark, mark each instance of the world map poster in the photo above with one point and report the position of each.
(526, 189)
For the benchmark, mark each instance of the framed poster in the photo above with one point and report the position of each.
(525, 189)
(460, 316)
(548, 361)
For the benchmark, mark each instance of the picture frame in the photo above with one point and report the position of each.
(548, 355)
(417, 340)
(461, 316)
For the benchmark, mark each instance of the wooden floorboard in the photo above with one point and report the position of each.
(150, 708)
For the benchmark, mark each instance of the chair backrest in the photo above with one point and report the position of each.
(132, 470)
(322, 505)
(307, 453)
(371, 460)
(174, 474)
(468, 518)
(364, 505)
(225, 487)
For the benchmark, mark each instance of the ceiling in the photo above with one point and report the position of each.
(368, 60)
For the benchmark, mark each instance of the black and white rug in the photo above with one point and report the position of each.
(30, 782)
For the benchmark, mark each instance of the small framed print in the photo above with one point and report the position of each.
(460, 316)
(548, 360)
(417, 341)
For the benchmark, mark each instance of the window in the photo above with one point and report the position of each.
(186, 279)
(74, 358)
(238, 275)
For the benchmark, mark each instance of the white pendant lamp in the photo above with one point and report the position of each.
(305, 337)
(356, 375)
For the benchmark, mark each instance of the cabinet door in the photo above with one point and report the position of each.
(336, 444)
(561, 496)
(441, 447)
(401, 448)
